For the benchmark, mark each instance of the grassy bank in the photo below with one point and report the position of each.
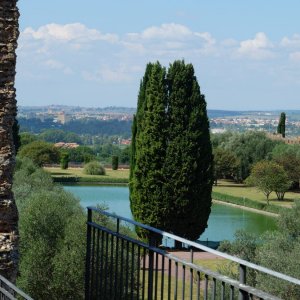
(76, 175)
(240, 194)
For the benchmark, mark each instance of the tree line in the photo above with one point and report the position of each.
(256, 159)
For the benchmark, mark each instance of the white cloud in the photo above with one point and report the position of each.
(167, 31)
(67, 33)
(57, 65)
(257, 48)
(293, 42)
(108, 74)
(172, 39)
(295, 56)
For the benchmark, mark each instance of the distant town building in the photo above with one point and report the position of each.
(63, 118)
(63, 145)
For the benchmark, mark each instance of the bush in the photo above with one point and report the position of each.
(94, 168)
(64, 161)
(115, 162)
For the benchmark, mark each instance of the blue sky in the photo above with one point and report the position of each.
(246, 54)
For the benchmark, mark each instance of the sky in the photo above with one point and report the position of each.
(246, 54)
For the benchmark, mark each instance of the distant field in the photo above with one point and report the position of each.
(241, 190)
(77, 175)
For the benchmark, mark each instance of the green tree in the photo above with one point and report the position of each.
(64, 160)
(226, 164)
(40, 153)
(115, 162)
(288, 156)
(249, 147)
(27, 138)
(150, 146)
(171, 161)
(268, 176)
(281, 124)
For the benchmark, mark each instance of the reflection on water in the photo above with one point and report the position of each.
(223, 222)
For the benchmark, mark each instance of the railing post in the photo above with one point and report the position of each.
(242, 279)
(151, 266)
(88, 256)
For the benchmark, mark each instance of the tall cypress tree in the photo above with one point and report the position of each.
(149, 142)
(171, 170)
(281, 125)
(188, 161)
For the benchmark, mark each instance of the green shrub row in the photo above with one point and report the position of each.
(248, 203)
(102, 179)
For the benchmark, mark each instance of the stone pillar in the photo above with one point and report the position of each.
(9, 31)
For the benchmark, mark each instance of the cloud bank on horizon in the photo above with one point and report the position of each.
(75, 64)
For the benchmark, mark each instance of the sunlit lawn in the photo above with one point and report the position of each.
(78, 172)
(241, 190)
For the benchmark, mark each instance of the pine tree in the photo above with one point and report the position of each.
(281, 125)
(171, 165)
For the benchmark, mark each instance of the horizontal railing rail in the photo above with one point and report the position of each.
(9, 291)
(155, 271)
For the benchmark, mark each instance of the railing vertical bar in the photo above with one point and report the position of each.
(93, 261)
(183, 281)
(121, 270)
(198, 285)
(126, 269)
(214, 291)
(138, 272)
(88, 256)
(105, 264)
(101, 263)
(231, 292)
(162, 277)
(144, 274)
(150, 267)
(111, 267)
(97, 264)
(191, 283)
(169, 279)
(116, 286)
(223, 290)
(242, 278)
(156, 276)
(176, 280)
(117, 262)
(132, 271)
(206, 287)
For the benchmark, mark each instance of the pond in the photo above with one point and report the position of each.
(223, 222)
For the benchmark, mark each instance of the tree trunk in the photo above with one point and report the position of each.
(8, 211)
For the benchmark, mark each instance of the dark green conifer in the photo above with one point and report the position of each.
(171, 170)
(188, 161)
(147, 178)
(281, 125)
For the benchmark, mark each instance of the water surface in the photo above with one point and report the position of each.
(223, 222)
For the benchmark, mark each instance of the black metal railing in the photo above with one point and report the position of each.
(10, 291)
(119, 266)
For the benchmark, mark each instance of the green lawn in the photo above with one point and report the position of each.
(77, 175)
(240, 190)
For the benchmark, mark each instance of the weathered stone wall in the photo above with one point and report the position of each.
(8, 212)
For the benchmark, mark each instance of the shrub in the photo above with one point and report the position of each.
(115, 162)
(94, 168)
(64, 161)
